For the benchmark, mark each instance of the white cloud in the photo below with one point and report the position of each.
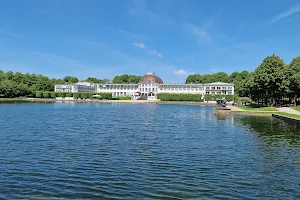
(136, 35)
(139, 45)
(200, 33)
(180, 72)
(291, 11)
(155, 53)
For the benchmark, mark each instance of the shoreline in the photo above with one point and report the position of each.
(106, 101)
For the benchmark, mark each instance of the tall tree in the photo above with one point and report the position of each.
(269, 77)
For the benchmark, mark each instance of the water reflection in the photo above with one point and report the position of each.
(221, 115)
(272, 128)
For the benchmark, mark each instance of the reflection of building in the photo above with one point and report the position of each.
(149, 85)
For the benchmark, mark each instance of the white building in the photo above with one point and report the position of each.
(149, 85)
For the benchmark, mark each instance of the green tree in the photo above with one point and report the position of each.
(71, 79)
(269, 77)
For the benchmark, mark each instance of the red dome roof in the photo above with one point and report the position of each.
(151, 78)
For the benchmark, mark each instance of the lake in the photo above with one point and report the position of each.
(144, 151)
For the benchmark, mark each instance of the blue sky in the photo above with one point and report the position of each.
(174, 38)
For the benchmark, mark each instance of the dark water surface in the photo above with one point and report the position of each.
(144, 151)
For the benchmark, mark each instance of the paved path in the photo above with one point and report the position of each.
(288, 110)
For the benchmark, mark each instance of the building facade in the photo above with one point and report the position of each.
(149, 85)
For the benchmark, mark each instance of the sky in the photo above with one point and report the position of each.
(173, 38)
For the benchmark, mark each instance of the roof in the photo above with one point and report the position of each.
(218, 83)
(151, 78)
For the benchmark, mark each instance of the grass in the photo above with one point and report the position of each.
(289, 115)
(297, 108)
(255, 107)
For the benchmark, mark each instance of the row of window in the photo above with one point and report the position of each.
(63, 90)
(218, 88)
(229, 92)
(63, 86)
(118, 88)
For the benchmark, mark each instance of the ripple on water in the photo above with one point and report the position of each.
(119, 151)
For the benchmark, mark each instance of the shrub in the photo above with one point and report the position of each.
(53, 94)
(245, 100)
(179, 97)
(76, 95)
(69, 94)
(84, 95)
(46, 94)
(62, 94)
(38, 94)
(125, 98)
(208, 97)
(105, 95)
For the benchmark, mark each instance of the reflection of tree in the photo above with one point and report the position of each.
(273, 128)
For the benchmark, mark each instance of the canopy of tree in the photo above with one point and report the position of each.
(270, 83)
(127, 79)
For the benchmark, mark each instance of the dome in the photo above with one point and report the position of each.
(151, 78)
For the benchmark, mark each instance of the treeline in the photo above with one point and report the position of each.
(236, 77)
(75, 95)
(272, 82)
(25, 85)
(129, 79)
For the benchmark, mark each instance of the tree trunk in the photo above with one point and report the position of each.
(295, 101)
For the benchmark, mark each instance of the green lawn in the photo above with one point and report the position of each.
(254, 107)
(297, 108)
(290, 115)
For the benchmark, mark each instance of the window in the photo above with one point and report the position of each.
(229, 88)
(213, 88)
(207, 88)
(213, 92)
(207, 92)
(218, 88)
(229, 92)
(218, 92)
(224, 88)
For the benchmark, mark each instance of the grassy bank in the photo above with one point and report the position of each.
(255, 113)
(297, 108)
(289, 115)
(255, 107)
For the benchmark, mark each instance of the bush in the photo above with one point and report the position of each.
(76, 95)
(208, 97)
(125, 98)
(39, 94)
(46, 94)
(105, 95)
(62, 94)
(69, 94)
(245, 100)
(179, 97)
(54, 94)
(84, 95)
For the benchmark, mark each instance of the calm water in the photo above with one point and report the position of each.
(126, 151)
